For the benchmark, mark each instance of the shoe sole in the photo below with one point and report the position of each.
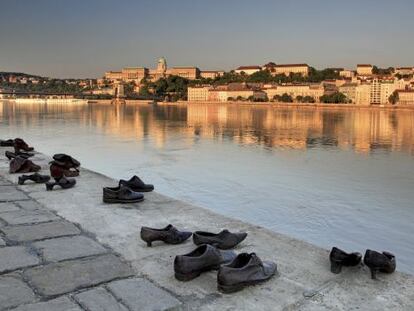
(193, 275)
(122, 201)
(228, 289)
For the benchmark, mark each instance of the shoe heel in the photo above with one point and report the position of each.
(336, 267)
(228, 289)
(373, 273)
(21, 180)
(149, 243)
(49, 187)
(186, 277)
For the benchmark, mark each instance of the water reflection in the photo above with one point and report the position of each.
(361, 130)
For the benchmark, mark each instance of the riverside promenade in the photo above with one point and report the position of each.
(66, 250)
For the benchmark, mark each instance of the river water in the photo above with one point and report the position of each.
(341, 177)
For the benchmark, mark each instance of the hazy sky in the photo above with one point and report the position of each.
(84, 38)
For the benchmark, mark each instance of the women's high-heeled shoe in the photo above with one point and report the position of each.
(339, 259)
(382, 262)
(169, 235)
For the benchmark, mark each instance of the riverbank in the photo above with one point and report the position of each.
(240, 103)
(304, 281)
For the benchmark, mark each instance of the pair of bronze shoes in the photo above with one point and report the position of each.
(235, 272)
(128, 191)
(375, 261)
(61, 167)
(170, 235)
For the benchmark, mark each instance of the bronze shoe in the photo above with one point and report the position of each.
(223, 240)
(203, 258)
(245, 270)
(169, 235)
(382, 262)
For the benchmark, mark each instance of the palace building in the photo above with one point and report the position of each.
(364, 69)
(287, 69)
(136, 74)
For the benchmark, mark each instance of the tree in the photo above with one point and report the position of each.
(308, 99)
(299, 99)
(335, 98)
(394, 98)
(262, 76)
(382, 71)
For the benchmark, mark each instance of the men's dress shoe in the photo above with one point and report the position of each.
(203, 258)
(136, 184)
(20, 144)
(11, 155)
(7, 143)
(22, 165)
(64, 183)
(383, 262)
(36, 177)
(121, 194)
(169, 235)
(245, 270)
(340, 258)
(223, 240)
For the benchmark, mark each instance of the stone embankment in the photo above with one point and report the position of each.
(66, 250)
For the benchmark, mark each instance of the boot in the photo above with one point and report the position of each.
(20, 144)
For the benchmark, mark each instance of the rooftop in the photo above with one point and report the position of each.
(248, 67)
(292, 65)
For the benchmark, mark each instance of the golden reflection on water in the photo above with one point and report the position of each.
(361, 130)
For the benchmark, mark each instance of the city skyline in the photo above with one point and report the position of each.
(59, 39)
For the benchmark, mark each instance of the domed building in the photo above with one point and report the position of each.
(136, 74)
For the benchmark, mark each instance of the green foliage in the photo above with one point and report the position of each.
(285, 98)
(260, 76)
(335, 98)
(382, 71)
(394, 98)
(305, 99)
(174, 88)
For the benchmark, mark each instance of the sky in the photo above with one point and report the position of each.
(85, 38)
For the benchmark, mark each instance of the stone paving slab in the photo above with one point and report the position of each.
(8, 207)
(40, 231)
(29, 205)
(13, 292)
(4, 182)
(68, 248)
(139, 294)
(58, 304)
(357, 291)
(10, 193)
(64, 277)
(99, 299)
(15, 257)
(27, 217)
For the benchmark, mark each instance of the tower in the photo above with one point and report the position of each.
(161, 66)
